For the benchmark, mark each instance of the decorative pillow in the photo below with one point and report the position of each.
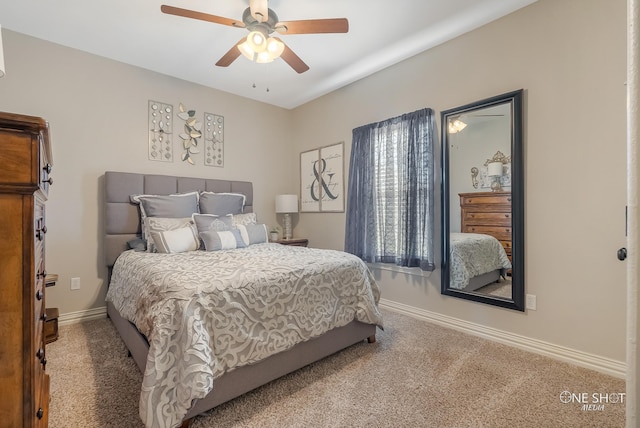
(205, 222)
(169, 206)
(162, 224)
(253, 233)
(221, 203)
(177, 240)
(223, 240)
(178, 205)
(244, 219)
(137, 244)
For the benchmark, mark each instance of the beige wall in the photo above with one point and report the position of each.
(97, 110)
(569, 56)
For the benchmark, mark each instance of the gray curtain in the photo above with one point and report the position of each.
(390, 191)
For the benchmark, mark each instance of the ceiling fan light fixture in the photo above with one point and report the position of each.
(246, 50)
(257, 41)
(275, 47)
(264, 57)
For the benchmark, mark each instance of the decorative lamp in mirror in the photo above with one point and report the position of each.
(483, 219)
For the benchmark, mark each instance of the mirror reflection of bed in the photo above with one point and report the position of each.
(479, 264)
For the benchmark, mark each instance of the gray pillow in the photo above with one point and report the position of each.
(222, 240)
(206, 222)
(253, 233)
(221, 203)
(168, 206)
(137, 244)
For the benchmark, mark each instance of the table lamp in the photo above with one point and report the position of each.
(287, 204)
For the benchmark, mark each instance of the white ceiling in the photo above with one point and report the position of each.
(381, 33)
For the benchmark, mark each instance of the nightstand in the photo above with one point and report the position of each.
(296, 242)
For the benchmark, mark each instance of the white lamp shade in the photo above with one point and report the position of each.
(494, 169)
(1, 55)
(246, 51)
(287, 203)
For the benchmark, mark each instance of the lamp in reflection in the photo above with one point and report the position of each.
(495, 171)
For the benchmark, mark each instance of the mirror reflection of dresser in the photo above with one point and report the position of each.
(488, 213)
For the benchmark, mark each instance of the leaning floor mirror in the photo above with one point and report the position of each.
(483, 201)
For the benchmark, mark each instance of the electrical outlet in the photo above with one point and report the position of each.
(531, 302)
(75, 283)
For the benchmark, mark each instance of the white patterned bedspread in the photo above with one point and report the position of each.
(205, 313)
(473, 254)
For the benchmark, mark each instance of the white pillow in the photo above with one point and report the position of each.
(177, 240)
(161, 224)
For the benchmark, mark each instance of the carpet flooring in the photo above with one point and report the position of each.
(417, 374)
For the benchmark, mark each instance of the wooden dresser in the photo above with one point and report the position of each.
(25, 164)
(488, 213)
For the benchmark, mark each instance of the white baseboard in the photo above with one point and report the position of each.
(594, 362)
(81, 316)
(582, 359)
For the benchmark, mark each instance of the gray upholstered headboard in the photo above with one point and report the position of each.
(122, 218)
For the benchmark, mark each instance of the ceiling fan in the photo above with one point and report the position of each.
(261, 22)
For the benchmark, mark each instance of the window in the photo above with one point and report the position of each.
(390, 191)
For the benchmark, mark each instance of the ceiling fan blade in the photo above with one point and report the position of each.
(201, 16)
(259, 10)
(313, 26)
(231, 55)
(292, 59)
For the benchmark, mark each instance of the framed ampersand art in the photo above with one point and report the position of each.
(322, 179)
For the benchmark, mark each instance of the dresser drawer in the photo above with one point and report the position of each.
(45, 163)
(469, 199)
(500, 233)
(42, 404)
(492, 218)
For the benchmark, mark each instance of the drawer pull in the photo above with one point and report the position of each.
(39, 295)
(44, 317)
(47, 168)
(40, 354)
(40, 413)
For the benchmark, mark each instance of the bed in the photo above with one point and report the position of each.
(477, 260)
(202, 336)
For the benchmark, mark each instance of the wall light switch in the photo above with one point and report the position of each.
(75, 283)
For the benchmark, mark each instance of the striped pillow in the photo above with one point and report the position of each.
(177, 240)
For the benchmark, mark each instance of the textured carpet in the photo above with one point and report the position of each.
(498, 289)
(416, 375)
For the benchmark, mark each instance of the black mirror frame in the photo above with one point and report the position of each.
(517, 202)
